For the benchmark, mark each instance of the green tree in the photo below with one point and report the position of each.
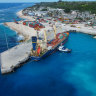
(67, 10)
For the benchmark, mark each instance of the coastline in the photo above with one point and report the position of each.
(19, 14)
(14, 57)
(21, 56)
(28, 32)
(79, 27)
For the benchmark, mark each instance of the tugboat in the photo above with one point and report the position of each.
(64, 49)
(43, 48)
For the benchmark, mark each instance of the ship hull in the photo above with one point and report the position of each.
(49, 52)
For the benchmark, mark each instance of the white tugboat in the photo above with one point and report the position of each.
(64, 49)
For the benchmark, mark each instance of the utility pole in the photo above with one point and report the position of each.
(6, 39)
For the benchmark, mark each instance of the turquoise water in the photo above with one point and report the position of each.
(60, 74)
(8, 14)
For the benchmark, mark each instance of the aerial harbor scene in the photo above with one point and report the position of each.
(48, 48)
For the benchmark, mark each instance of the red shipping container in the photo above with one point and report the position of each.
(24, 23)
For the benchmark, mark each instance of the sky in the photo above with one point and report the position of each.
(38, 0)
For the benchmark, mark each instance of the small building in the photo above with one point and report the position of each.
(40, 13)
(31, 13)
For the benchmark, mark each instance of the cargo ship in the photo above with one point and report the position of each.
(41, 49)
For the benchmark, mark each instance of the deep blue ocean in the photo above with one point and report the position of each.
(59, 74)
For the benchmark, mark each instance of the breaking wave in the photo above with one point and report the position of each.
(1, 23)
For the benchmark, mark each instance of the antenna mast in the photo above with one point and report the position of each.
(6, 39)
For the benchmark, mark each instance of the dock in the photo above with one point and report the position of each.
(80, 28)
(13, 57)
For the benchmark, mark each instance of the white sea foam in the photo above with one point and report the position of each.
(1, 23)
(6, 9)
(3, 10)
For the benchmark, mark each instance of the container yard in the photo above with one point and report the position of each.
(34, 24)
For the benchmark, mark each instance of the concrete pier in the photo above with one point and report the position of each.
(14, 57)
(80, 28)
(19, 54)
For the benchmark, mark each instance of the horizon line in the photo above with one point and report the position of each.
(55, 1)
